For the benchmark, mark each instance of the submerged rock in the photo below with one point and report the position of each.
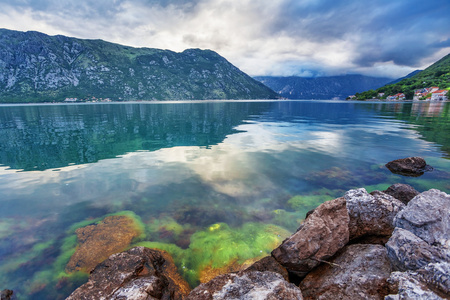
(410, 166)
(322, 234)
(371, 214)
(247, 285)
(402, 192)
(139, 273)
(357, 272)
(6, 294)
(97, 242)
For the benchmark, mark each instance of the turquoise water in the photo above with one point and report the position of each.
(193, 174)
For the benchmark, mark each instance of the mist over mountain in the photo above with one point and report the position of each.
(35, 67)
(337, 87)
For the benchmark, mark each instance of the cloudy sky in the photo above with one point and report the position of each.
(262, 37)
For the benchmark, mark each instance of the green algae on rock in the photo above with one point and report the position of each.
(221, 249)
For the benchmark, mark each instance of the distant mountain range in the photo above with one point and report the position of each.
(35, 67)
(339, 87)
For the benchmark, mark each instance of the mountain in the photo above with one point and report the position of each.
(321, 87)
(35, 67)
(438, 74)
(407, 76)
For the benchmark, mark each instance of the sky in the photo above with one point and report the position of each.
(386, 38)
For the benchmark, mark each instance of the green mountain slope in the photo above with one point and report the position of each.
(438, 74)
(35, 67)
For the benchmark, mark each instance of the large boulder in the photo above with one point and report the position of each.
(356, 272)
(268, 263)
(402, 192)
(371, 214)
(246, 285)
(410, 166)
(97, 242)
(431, 283)
(139, 273)
(322, 234)
(409, 252)
(422, 233)
(427, 216)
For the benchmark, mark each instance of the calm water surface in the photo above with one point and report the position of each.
(213, 183)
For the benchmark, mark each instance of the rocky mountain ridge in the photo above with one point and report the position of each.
(35, 67)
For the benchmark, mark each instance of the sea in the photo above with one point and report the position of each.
(217, 184)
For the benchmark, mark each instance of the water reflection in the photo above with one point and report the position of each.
(238, 167)
(44, 137)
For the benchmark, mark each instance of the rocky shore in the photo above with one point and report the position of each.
(391, 244)
(360, 246)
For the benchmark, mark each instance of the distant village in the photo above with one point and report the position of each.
(428, 94)
(92, 99)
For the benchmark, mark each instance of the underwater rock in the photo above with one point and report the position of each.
(322, 234)
(247, 285)
(97, 242)
(371, 214)
(6, 294)
(139, 273)
(356, 272)
(410, 166)
(402, 192)
(268, 263)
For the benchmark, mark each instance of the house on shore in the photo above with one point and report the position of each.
(439, 95)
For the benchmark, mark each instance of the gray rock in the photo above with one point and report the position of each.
(409, 252)
(428, 217)
(437, 277)
(371, 214)
(410, 166)
(322, 234)
(139, 273)
(268, 263)
(406, 285)
(246, 286)
(402, 192)
(356, 272)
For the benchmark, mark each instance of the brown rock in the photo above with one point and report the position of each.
(402, 192)
(268, 263)
(322, 234)
(139, 273)
(410, 166)
(97, 242)
(371, 214)
(6, 294)
(247, 285)
(357, 272)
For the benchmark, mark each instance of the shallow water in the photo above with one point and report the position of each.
(198, 176)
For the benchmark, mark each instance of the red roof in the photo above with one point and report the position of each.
(440, 92)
